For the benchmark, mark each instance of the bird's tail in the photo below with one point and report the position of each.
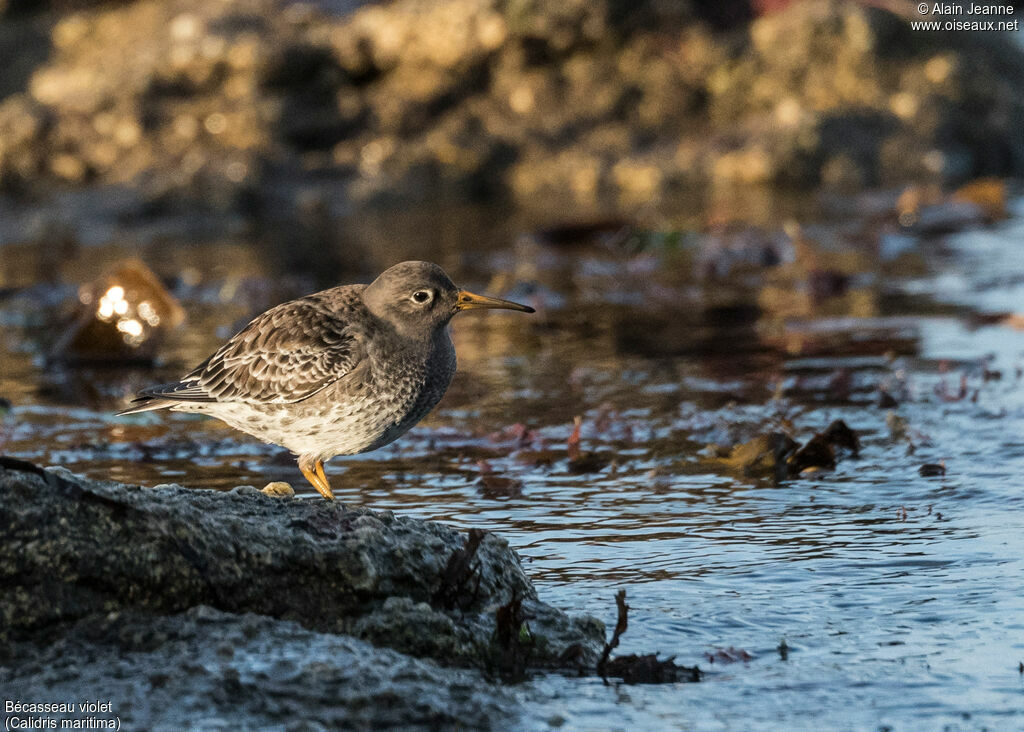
(146, 404)
(167, 395)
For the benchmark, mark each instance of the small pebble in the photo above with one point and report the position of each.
(278, 488)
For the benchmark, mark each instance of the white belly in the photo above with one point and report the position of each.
(322, 430)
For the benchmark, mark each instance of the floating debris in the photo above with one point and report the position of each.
(991, 375)
(943, 393)
(886, 400)
(521, 436)
(492, 485)
(634, 669)
(821, 451)
(817, 454)
(728, 655)
(649, 669)
(538, 458)
(932, 470)
(121, 318)
(899, 429)
(777, 455)
(840, 384)
(763, 456)
(579, 460)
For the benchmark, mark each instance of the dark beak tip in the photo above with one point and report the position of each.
(528, 309)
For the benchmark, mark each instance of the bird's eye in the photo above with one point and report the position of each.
(421, 296)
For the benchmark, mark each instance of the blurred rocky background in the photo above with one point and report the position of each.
(249, 106)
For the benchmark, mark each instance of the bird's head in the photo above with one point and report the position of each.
(418, 298)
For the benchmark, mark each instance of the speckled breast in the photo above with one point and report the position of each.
(407, 388)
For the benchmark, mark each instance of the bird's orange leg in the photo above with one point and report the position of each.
(319, 466)
(314, 472)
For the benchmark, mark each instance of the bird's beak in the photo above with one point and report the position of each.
(469, 301)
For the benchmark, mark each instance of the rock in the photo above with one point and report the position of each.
(122, 318)
(166, 96)
(278, 489)
(222, 103)
(765, 455)
(76, 547)
(779, 456)
(847, 93)
(208, 669)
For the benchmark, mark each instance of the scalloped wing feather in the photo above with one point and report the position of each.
(287, 354)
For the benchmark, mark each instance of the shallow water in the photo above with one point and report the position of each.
(897, 595)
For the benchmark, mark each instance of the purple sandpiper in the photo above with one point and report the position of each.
(339, 372)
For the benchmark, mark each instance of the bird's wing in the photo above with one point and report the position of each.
(285, 355)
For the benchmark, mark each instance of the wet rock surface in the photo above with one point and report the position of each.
(75, 548)
(207, 669)
(226, 103)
